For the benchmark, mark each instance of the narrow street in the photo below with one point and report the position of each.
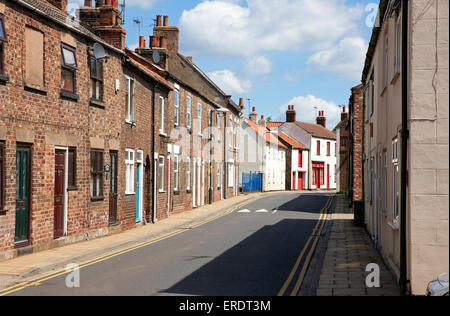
(258, 250)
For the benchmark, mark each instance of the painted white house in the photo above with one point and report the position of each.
(262, 152)
(321, 143)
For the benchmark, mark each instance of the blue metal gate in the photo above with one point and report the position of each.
(251, 182)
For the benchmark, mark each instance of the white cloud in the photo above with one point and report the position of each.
(146, 4)
(229, 83)
(346, 58)
(304, 106)
(258, 66)
(227, 28)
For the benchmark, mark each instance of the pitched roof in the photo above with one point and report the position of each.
(264, 132)
(44, 8)
(317, 130)
(295, 144)
(273, 125)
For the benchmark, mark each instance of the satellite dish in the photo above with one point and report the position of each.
(99, 51)
(156, 57)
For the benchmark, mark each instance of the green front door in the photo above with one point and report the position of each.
(22, 194)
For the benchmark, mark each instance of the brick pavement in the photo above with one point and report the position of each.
(348, 253)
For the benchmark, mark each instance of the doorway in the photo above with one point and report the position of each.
(23, 183)
(59, 193)
(139, 186)
(113, 188)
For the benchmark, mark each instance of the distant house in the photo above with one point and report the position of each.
(343, 157)
(263, 152)
(321, 143)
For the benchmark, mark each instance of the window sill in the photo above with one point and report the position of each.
(395, 78)
(188, 191)
(176, 192)
(69, 96)
(36, 89)
(394, 225)
(131, 123)
(4, 79)
(3, 212)
(98, 199)
(72, 189)
(130, 193)
(97, 104)
(162, 134)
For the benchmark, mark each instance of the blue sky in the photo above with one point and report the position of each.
(308, 53)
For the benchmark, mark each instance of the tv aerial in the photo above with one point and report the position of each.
(138, 22)
(122, 11)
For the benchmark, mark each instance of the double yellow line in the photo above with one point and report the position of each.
(314, 235)
(38, 280)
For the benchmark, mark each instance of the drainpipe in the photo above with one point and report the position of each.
(153, 155)
(404, 163)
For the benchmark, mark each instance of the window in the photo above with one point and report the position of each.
(96, 175)
(161, 114)
(188, 174)
(129, 86)
(177, 107)
(2, 176)
(129, 171)
(300, 159)
(199, 115)
(384, 184)
(396, 192)
(175, 173)
(68, 68)
(398, 47)
(219, 128)
(210, 124)
(343, 143)
(161, 170)
(189, 113)
(34, 62)
(395, 150)
(96, 70)
(371, 95)
(318, 148)
(386, 62)
(72, 170)
(3, 39)
(328, 149)
(230, 175)
(235, 135)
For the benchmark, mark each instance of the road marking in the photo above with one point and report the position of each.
(302, 253)
(274, 211)
(244, 211)
(40, 279)
(262, 211)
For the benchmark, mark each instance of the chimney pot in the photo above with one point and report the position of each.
(141, 42)
(241, 103)
(166, 20)
(254, 109)
(88, 3)
(262, 117)
(158, 20)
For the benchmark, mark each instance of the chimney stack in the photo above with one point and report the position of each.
(344, 114)
(291, 115)
(262, 122)
(321, 119)
(171, 33)
(105, 19)
(60, 4)
(141, 42)
(254, 116)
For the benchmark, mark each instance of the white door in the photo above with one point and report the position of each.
(194, 182)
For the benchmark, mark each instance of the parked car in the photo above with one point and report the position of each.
(438, 287)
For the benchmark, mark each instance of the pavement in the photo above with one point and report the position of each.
(348, 251)
(24, 267)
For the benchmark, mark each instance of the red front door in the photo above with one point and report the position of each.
(60, 163)
(300, 181)
(328, 176)
(293, 181)
(318, 181)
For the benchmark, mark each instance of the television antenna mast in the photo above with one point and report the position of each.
(138, 22)
(122, 11)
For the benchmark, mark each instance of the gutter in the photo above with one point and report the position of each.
(404, 162)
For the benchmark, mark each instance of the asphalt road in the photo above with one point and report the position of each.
(250, 252)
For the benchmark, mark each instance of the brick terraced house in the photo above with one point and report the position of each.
(89, 129)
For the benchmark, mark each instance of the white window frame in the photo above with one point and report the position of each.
(176, 169)
(162, 173)
(188, 173)
(161, 114)
(189, 112)
(231, 175)
(219, 176)
(130, 108)
(219, 129)
(129, 171)
(398, 46)
(199, 118)
(176, 101)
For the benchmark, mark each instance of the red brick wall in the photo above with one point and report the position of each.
(357, 116)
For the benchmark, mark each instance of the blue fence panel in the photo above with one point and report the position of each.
(251, 182)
